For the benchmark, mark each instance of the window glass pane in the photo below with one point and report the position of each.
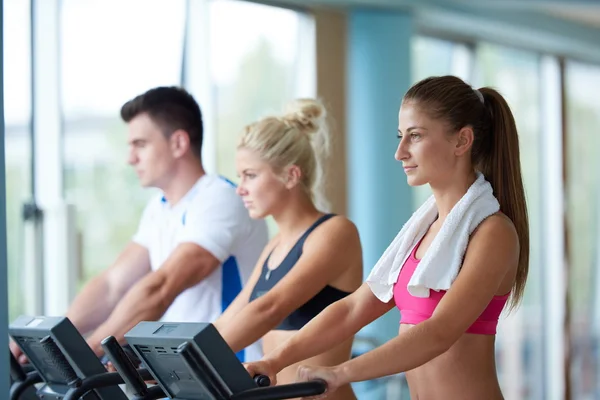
(254, 67)
(521, 334)
(258, 61)
(431, 57)
(102, 68)
(17, 113)
(583, 222)
(104, 65)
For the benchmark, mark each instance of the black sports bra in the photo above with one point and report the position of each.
(269, 278)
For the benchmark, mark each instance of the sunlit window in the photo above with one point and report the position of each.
(256, 56)
(101, 69)
(583, 223)
(255, 69)
(17, 113)
(260, 59)
(520, 341)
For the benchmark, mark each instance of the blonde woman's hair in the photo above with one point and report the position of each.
(298, 137)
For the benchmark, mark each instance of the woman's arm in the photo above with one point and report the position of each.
(243, 297)
(492, 252)
(334, 325)
(330, 250)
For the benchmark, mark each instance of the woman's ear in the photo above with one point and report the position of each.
(464, 140)
(293, 176)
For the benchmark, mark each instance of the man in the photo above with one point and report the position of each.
(196, 244)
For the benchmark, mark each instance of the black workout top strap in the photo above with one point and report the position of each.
(269, 278)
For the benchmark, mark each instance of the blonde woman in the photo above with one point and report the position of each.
(316, 257)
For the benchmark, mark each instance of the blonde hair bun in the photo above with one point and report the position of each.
(306, 115)
(298, 137)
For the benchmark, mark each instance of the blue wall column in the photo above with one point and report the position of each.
(3, 269)
(379, 74)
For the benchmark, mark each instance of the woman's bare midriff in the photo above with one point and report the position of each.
(467, 372)
(335, 356)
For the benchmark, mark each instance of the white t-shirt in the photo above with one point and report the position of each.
(212, 216)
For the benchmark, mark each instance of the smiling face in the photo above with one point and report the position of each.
(429, 152)
(261, 189)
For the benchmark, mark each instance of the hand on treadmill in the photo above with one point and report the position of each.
(262, 368)
(16, 350)
(110, 367)
(329, 375)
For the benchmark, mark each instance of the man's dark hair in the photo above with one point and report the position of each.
(171, 108)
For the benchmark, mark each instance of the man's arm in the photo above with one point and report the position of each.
(100, 295)
(152, 295)
(243, 298)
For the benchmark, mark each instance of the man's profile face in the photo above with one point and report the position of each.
(150, 151)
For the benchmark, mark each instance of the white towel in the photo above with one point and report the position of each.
(442, 260)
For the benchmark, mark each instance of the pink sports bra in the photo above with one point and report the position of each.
(417, 309)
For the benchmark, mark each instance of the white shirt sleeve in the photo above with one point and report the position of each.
(216, 221)
(143, 235)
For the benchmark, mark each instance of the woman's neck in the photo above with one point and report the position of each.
(446, 196)
(295, 217)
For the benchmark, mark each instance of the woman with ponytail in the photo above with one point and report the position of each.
(460, 260)
(314, 260)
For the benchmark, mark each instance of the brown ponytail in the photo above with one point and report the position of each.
(502, 168)
(495, 150)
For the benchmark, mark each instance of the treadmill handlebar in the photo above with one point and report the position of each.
(18, 388)
(262, 380)
(203, 373)
(288, 391)
(124, 366)
(59, 362)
